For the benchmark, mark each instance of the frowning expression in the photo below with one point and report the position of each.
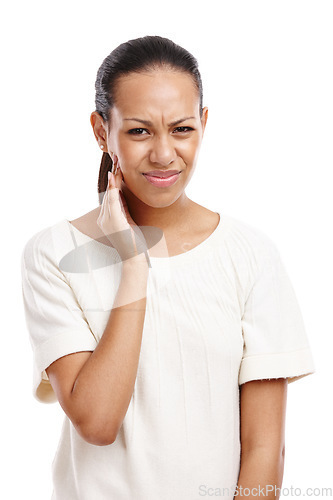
(156, 125)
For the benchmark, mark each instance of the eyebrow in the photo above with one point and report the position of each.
(149, 124)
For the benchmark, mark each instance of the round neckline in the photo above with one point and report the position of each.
(181, 258)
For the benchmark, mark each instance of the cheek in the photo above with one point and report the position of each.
(131, 153)
(189, 149)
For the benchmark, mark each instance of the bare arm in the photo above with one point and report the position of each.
(263, 409)
(95, 389)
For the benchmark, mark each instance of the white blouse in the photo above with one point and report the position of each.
(217, 316)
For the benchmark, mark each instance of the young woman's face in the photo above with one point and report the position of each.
(156, 126)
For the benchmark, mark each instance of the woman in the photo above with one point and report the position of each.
(167, 332)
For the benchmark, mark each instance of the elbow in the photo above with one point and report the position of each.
(98, 439)
(96, 433)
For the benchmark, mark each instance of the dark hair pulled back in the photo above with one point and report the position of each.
(137, 55)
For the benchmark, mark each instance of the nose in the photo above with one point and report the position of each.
(162, 151)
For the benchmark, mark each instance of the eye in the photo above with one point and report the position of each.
(184, 129)
(137, 131)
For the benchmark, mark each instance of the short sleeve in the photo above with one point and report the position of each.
(275, 343)
(55, 321)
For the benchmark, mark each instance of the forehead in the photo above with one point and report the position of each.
(169, 92)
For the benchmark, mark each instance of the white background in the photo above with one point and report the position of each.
(266, 159)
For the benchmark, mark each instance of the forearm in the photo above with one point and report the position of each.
(261, 474)
(104, 386)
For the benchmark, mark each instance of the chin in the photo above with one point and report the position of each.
(159, 200)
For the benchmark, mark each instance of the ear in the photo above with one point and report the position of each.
(204, 118)
(99, 129)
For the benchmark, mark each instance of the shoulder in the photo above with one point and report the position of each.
(248, 249)
(250, 239)
(47, 244)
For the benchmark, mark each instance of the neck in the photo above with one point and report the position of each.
(171, 217)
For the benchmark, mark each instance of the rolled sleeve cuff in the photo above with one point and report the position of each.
(291, 365)
(50, 351)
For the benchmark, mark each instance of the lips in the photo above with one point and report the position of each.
(165, 181)
(161, 173)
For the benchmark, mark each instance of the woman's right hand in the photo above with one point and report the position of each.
(116, 222)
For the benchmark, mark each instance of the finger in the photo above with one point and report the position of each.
(114, 181)
(104, 199)
(114, 203)
(104, 204)
(111, 180)
(109, 177)
(105, 193)
(124, 205)
(113, 195)
(118, 177)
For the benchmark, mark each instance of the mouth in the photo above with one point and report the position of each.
(162, 179)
